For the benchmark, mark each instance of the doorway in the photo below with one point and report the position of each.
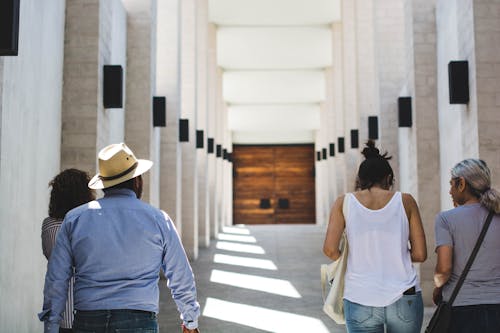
(273, 184)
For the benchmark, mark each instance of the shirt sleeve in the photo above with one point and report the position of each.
(442, 231)
(59, 271)
(180, 278)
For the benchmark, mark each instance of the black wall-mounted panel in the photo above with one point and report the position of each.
(332, 149)
(265, 203)
(354, 138)
(219, 151)
(112, 86)
(283, 203)
(458, 79)
(200, 140)
(404, 112)
(159, 111)
(318, 156)
(9, 27)
(210, 145)
(230, 157)
(341, 144)
(324, 153)
(373, 127)
(184, 130)
(224, 154)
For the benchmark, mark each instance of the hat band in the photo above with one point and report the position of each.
(120, 174)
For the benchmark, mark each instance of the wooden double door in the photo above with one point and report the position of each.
(273, 184)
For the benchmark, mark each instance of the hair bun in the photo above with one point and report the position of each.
(371, 151)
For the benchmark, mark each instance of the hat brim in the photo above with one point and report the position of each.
(96, 183)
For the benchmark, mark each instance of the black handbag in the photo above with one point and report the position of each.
(441, 319)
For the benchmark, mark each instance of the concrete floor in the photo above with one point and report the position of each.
(278, 292)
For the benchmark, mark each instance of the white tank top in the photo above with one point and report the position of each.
(379, 267)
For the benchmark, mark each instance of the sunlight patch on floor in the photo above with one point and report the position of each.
(255, 249)
(262, 318)
(236, 230)
(244, 261)
(237, 238)
(254, 282)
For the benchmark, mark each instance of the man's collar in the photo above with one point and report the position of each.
(120, 191)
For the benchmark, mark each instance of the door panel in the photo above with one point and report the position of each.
(265, 174)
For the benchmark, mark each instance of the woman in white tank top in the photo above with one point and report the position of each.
(385, 236)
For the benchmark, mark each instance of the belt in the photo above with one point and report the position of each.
(410, 291)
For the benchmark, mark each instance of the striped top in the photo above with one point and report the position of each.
(50, 227)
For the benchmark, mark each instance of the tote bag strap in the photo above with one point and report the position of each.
(471, 258)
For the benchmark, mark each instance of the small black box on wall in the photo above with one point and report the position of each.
(219, 150)
(210, 145)
(199, 139)
(404, 112)
(458, 79)
(324, 153)
(9, 27)
(341, 144)
(159, 111)
(354, 138)
(318, 156)
(113, 86)
(373, 127)
(184, 130)
(332, 149)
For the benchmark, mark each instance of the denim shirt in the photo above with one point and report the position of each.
(117, 245)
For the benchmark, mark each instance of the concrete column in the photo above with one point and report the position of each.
(140, 135)
(202, 117)
(418, 152)
(350, 79)
(337, 128)
(330, 138)
(168, 84)
(486, 27)
(390, 75)
(219, 140)
(321, 167)
(31, 89)
(228, 173)
(213, 92)
(188, 111)
(95, 36)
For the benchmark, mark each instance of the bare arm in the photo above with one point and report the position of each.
(444, 265)
(336, 226)
(418, 249)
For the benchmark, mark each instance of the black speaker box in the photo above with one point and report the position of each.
(219, 151)
(210, 145)
(404, 112)
(332, 149)
(113, 86)
(354, 138)
(341, 144)
(184, 130)
(224, 154)
(458, 79)
(230, 157)
(373, 127)
(318, 156)
(324, 153)
(199, 139)
(159, 111)
(9, 27)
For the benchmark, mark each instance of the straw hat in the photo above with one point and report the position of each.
(117, 164)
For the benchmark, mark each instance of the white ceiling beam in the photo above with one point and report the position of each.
(274, 13)
(274, 48)
(273, 87)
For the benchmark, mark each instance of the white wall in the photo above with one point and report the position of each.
(30, 98)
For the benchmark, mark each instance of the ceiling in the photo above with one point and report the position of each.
(273, 53)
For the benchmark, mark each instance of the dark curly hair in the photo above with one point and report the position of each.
(375, 169)
(69, 190)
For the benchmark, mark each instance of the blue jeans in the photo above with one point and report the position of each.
(403, 316)
(475, 318)
(115, 321)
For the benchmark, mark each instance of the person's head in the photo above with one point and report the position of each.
(69, 190)
(375, 170)
(119, 168)
(472, 177)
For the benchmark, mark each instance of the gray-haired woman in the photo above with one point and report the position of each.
(477, 306)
